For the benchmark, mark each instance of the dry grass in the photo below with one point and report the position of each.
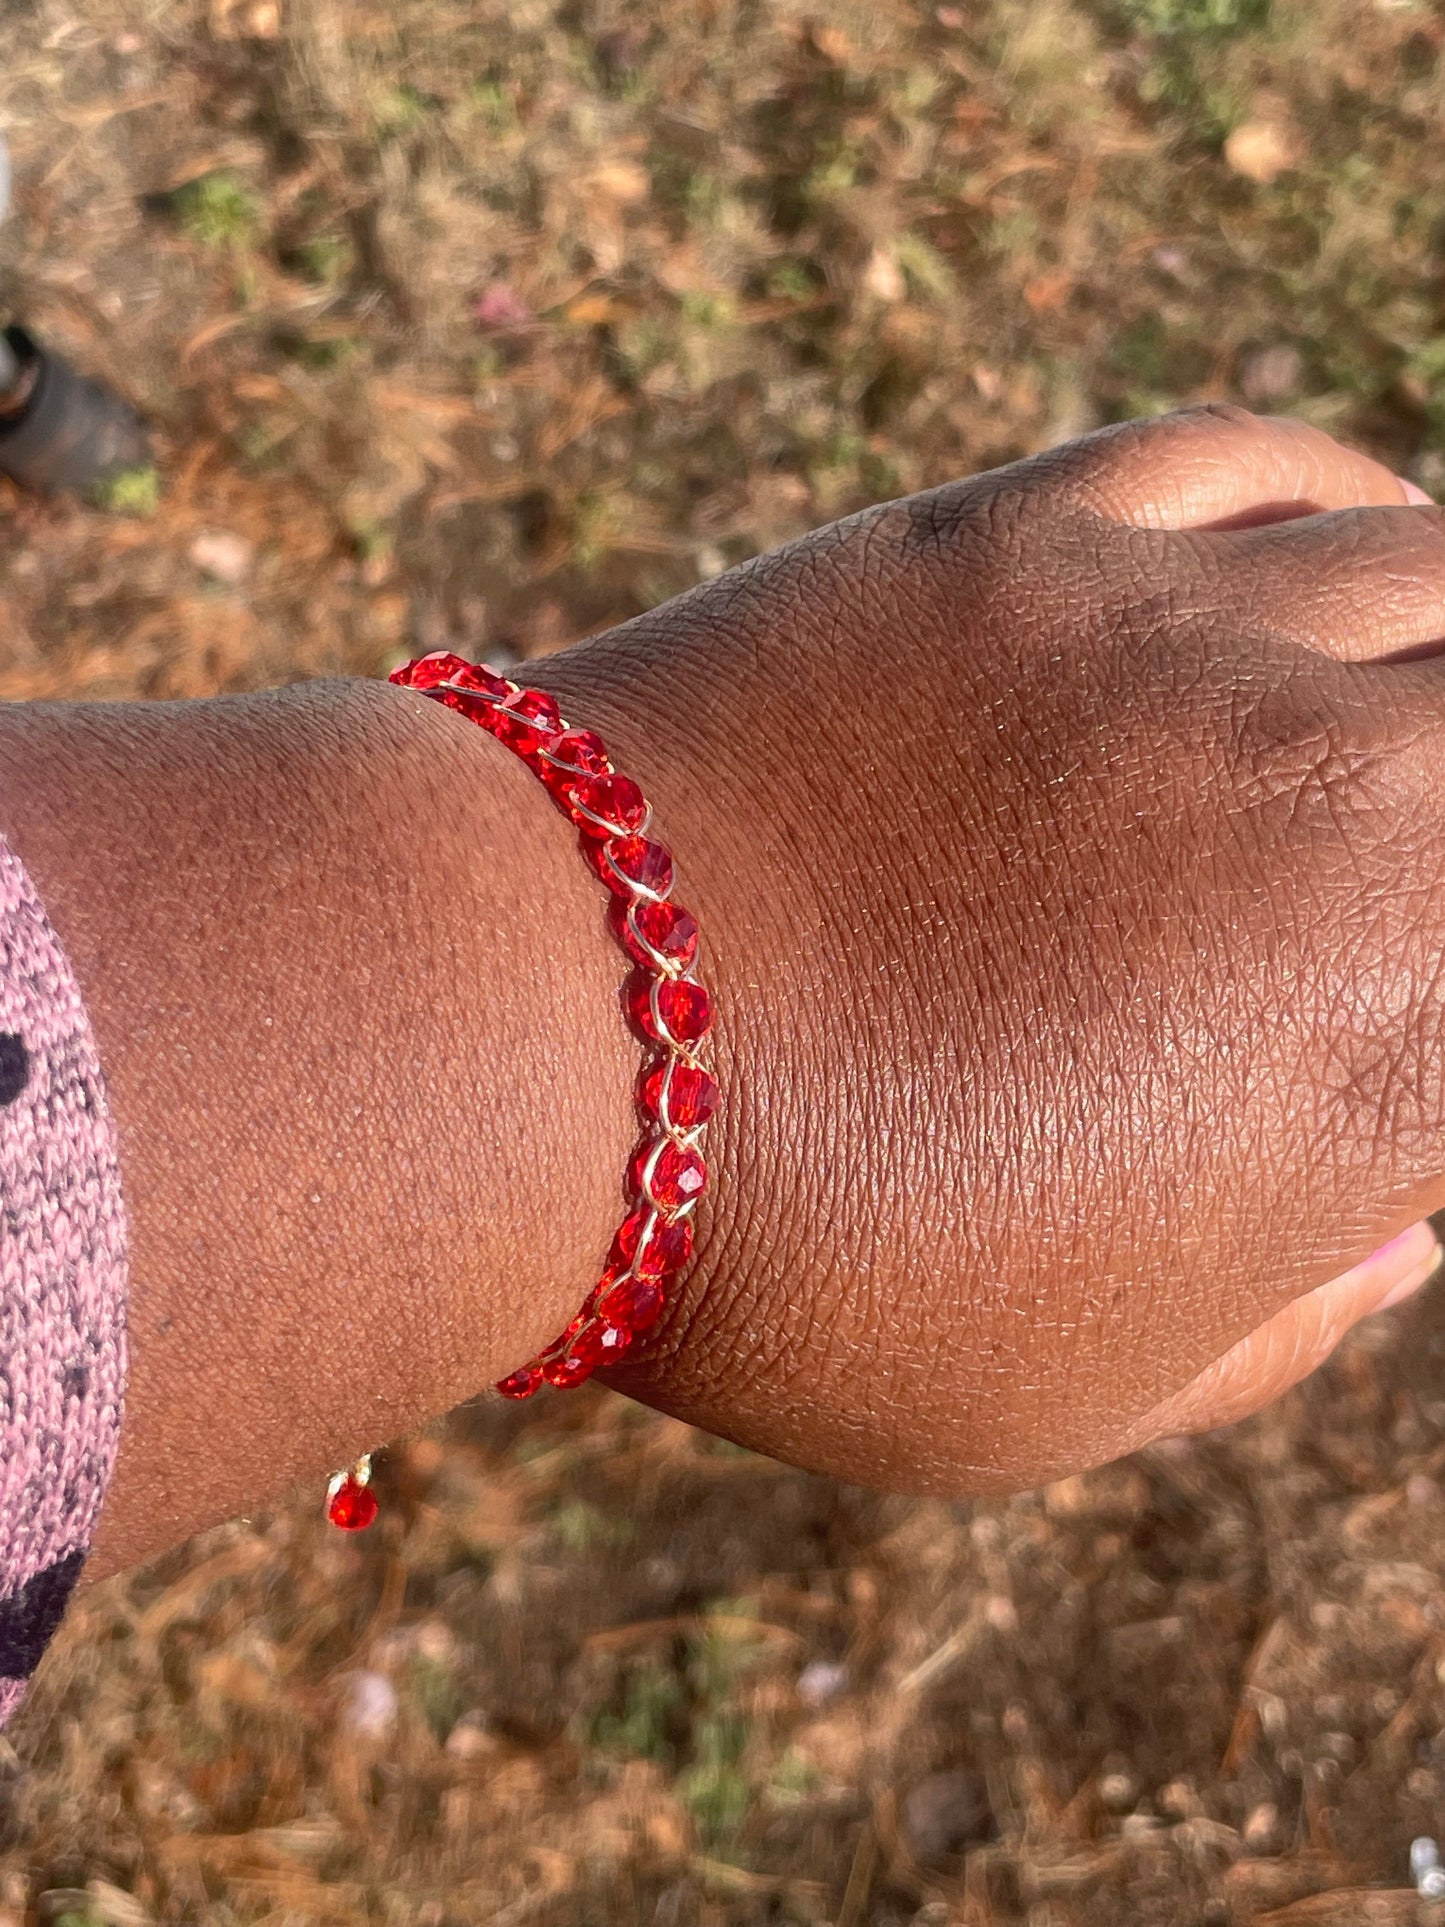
(495, 323)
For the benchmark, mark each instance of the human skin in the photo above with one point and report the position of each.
(1066, 845)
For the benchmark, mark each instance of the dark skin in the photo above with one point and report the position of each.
(1067, 857)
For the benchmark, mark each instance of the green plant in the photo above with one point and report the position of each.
(325, 258)
(1199, 18)
(579, 1526)
(792, 1779)
(718, 1794)
(401, 110)
(322, 353)
(437, 1693)
(134, 491)
(217, 212)
(791, 281)
(494, 107)
(704, 310)
(644, 1727)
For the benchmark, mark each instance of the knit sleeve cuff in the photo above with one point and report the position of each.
(62, 1283)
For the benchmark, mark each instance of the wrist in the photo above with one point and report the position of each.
(737, 1300)
(357, 1009)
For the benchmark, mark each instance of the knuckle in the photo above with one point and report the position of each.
(1323, 779)
(1379, 1059)
(985, 516)
(1299, 761)
(1228, 414)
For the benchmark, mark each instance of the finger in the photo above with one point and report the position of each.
(1290, 1345)
(1217, 465)
(1358, 584)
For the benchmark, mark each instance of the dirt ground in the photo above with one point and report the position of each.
(489, 324)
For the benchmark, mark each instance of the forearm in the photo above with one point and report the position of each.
(357, 1008)
(1076, 1023)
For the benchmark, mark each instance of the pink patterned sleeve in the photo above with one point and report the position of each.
(62, 1283)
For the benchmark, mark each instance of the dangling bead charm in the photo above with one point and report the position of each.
(350, 1501)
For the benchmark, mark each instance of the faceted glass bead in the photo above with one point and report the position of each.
(576, 752)
(581, 750)
(352, 1506)
(568, 1370)
(598, 1344)
(472, 704)
(671, 931)
(633, 860)
(425, 673)
(486, 682)
(522, 1383)
(527, 720)
(633, 1305)
(679, 1176)
(614, 1342)
(691, 1096)
(667, 1249)
(616, 799)
(685, 1008)
(639, 1002)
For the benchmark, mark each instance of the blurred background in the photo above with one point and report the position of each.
(485, 325)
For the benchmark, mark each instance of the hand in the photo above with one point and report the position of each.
(1070, 847)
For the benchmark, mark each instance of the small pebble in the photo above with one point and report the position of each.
(1425, 1866)
(1118, 1792)
(469, 1738)
(1261, 1827)
(1270, 374)
(224, 556)
(370, 1710)
(821, 1681)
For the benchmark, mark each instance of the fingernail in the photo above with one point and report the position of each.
(1398, 1269)
(1413, 1282)
(1415, 495)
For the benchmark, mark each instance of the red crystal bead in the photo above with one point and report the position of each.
(526, 721)
(427, 671)
(639, 1002)
(667, 1248)
(576, 752)
(582, 750)
(521, 1383)
(683, 1008)
(616, 799)
(678, 1177)
(670, 930)
(352, 1505)
(692, 1095)
(625, 863)
(633, 1305)
(599, 1344)
(559, 1345)
(486, 682)
(567, 1370)
(470, 703)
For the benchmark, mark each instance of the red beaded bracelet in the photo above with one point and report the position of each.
(677, 1094)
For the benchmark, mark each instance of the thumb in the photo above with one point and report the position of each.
(1288, 1346)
